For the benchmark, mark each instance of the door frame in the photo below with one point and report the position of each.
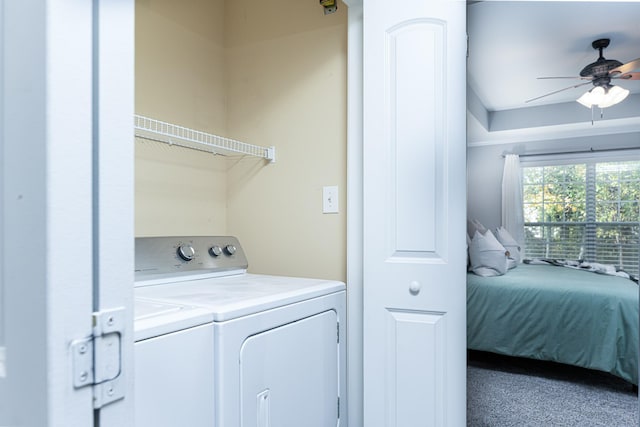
(66, 144)
(355, 272)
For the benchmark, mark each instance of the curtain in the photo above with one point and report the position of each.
(512, 212)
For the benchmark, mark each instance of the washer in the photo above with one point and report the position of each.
(279, 347)
(173, 351)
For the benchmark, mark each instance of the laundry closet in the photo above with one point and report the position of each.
(271, 76)
(265, 73)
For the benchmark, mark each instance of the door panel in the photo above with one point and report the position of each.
(414, 355)
(414, 213)
(414, 115)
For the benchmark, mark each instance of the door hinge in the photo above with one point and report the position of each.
(467, 46)
(97, 360)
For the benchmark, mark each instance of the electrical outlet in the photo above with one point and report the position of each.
(330, 199)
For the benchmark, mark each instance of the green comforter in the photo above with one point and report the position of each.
(558, 314)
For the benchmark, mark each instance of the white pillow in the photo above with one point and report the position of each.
(510, 244)
(468, 260)
(488, 257)
(473, 226)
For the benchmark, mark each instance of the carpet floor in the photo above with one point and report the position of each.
(504, 391)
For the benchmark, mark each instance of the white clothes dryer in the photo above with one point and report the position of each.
(278, 342)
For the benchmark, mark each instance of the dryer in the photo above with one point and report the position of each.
(279, 347)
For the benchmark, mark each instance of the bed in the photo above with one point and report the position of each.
(558, 314)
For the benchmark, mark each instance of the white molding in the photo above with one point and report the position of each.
(532, 135)
(355, 391)
(114, 184)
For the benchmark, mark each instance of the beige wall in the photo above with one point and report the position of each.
(283, 83)
(287, 88)
(180, 79)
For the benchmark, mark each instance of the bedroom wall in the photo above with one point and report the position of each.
(485, 164)
(287, 76)
(180, 79)
(484, 181)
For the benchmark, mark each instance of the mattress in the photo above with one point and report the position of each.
(558, 314)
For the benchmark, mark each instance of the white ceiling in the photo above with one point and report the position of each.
(513, 43)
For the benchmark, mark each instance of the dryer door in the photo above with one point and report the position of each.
(289, 375)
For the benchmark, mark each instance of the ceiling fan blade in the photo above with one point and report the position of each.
(572, 77)
(627, 76)
(557, 91)
(625, 68)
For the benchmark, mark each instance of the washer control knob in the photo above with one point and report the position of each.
(230, 249)
(215, 251)
(186, 252)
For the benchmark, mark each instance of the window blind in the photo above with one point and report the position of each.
(587, 211)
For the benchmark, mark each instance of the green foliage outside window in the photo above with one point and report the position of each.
(587, 211)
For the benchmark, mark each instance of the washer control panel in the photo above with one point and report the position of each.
(188, 255)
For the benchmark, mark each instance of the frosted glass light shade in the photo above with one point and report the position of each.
(603, 97)
(613, 96)
(592, 97)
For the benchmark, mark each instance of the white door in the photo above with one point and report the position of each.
(66, 182)
(414, 204)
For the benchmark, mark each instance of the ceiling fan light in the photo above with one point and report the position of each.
(592, 97)
(614, 95)
(603, 97)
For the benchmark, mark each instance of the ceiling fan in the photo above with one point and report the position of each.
(600, 74)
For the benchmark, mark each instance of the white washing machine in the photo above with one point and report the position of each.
(279, 347)
(173, 351)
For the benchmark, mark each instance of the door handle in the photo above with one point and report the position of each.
(414, 287)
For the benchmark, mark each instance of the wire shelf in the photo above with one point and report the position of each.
(168, 133)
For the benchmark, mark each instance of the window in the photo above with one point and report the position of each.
(588, 211)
